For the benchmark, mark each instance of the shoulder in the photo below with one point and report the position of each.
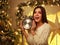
(46, 25)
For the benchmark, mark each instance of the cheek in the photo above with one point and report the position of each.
(40, 16)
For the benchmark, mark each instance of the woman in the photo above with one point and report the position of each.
(40, 29)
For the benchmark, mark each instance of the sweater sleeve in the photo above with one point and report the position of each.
(30, 39)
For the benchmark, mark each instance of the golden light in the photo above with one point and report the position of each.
(36, 2)
(56, 38)
(51, 17)
(16, 8)
(2, 31)
(9, 23)
(3, 11)
(0, 0)
(57, 4)
(29, 10)
(13, 40)
(55, 41)
(30, 14)
(19, 29)
(16, 33)
(58, 16)
(28, 6)
(43, 4)
(51, 5)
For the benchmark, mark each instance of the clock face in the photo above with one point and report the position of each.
(27, 23)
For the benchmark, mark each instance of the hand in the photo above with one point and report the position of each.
(33, 28)
(33, 25)
(21, 26)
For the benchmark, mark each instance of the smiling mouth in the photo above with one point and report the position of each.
(36, 17)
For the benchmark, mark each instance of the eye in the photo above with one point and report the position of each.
(40, 12)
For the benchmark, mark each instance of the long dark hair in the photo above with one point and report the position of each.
(44, 18)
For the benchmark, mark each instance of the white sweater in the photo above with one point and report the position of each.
(41, 36)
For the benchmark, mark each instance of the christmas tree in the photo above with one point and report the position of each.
(7, 33)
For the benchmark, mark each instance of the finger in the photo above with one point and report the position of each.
(20, 24)
(34, 23)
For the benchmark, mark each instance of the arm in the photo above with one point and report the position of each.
(24, 33)
(28, 36)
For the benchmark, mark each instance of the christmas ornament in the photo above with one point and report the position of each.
(27, 23)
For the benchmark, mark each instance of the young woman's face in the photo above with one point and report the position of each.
(37, 15)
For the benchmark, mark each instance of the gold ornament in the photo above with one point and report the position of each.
(16, 33)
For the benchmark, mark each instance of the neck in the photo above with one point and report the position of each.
(39, 24)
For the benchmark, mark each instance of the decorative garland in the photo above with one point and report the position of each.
(32, 3)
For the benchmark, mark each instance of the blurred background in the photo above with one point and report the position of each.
(12, 11)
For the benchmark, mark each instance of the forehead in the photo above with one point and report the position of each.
(37, 9)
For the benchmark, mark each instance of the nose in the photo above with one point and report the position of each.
(36, 14)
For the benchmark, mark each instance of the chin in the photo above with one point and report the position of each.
(37, 21)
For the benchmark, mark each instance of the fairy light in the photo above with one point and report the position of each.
(18, 11)
(43, 4)
(3, 11)
(51, 5)
(16, 8)
(57, 4)
(9, 23)
(0, 0)
(16, 33)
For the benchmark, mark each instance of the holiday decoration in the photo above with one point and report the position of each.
(27, 23)
(7, 36)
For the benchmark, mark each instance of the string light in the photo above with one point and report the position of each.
(13, 40)
(9, 23)
(16, 33)
(2, 31)
(51, 5)
(16, 8)
(58, 5)
(28, 6)
(0, 0)
(3, 11)
(18, 11)
(43, 4)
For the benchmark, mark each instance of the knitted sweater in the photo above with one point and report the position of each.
(41, 36)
